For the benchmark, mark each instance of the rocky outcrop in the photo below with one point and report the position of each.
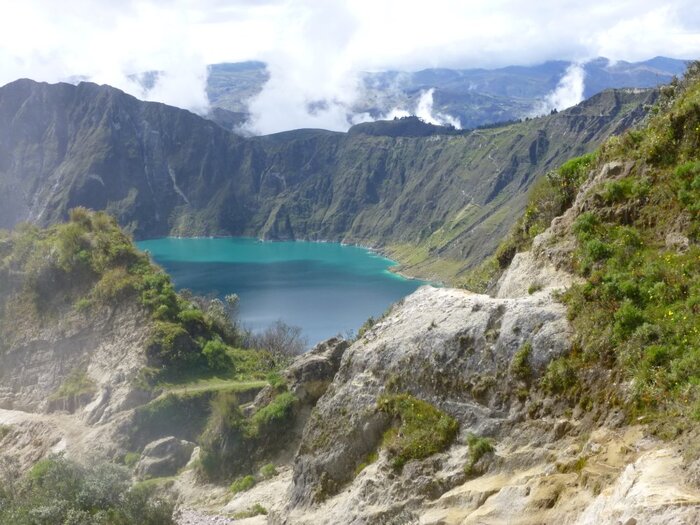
(84, 364)
(163, 457)
(555, 246)
(527, 275)
(309, 376)
(651, 490)
(450, 347)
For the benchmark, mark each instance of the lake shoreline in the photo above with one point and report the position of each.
(326, 288)
(396, 267)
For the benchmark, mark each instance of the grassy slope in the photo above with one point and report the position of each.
(636, 313)
(88, 264)
(637, 310)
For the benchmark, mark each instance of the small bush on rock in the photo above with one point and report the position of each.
(422, 430)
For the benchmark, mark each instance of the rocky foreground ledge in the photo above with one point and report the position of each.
(458, 351)
(471, 357)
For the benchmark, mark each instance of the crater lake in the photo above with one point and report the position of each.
(324, 288)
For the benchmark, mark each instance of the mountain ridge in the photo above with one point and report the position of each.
(475, 96)
(164, 171)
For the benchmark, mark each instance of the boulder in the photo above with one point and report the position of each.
(164, 457)
(308, 377)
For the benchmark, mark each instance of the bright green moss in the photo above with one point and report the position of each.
(422, 430)
(242, 484)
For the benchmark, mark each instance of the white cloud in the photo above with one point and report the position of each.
(316, 49)
(569, 91)
(425, 111)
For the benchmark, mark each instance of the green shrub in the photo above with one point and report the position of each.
(617, 191)
(423, 429)
(268, 471)
(255, 510)
(585, 224)
(217, 356)
(224, 442)
(560, 376)
(520, 364)
(627, 318)
(114, 285)
(171, 346)
(83, 304)
(597, 250)
(242, 484)
(158, 294)
(275, 414)
(276, 381)
(478, 448)
(57, 490)
(194, 321)
(131, 459)
(534, 288)
(233, 443)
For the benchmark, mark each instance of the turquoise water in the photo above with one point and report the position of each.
(325, 288)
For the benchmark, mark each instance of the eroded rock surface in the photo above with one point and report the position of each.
(164, 457)
(450, 347)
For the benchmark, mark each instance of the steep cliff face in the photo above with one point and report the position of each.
(64, 146)
(85, 363)
(438, 203)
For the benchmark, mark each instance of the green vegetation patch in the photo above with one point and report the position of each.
(548, 198)
(88, 264)
(255, 510)
(130, 459)
(636, 311)
(242, 484)
(520, 365)
(422, 430)
(478, 448)
(638, 307)
(268, 471)
(183, 410)
(233, 442)
(57, 490)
